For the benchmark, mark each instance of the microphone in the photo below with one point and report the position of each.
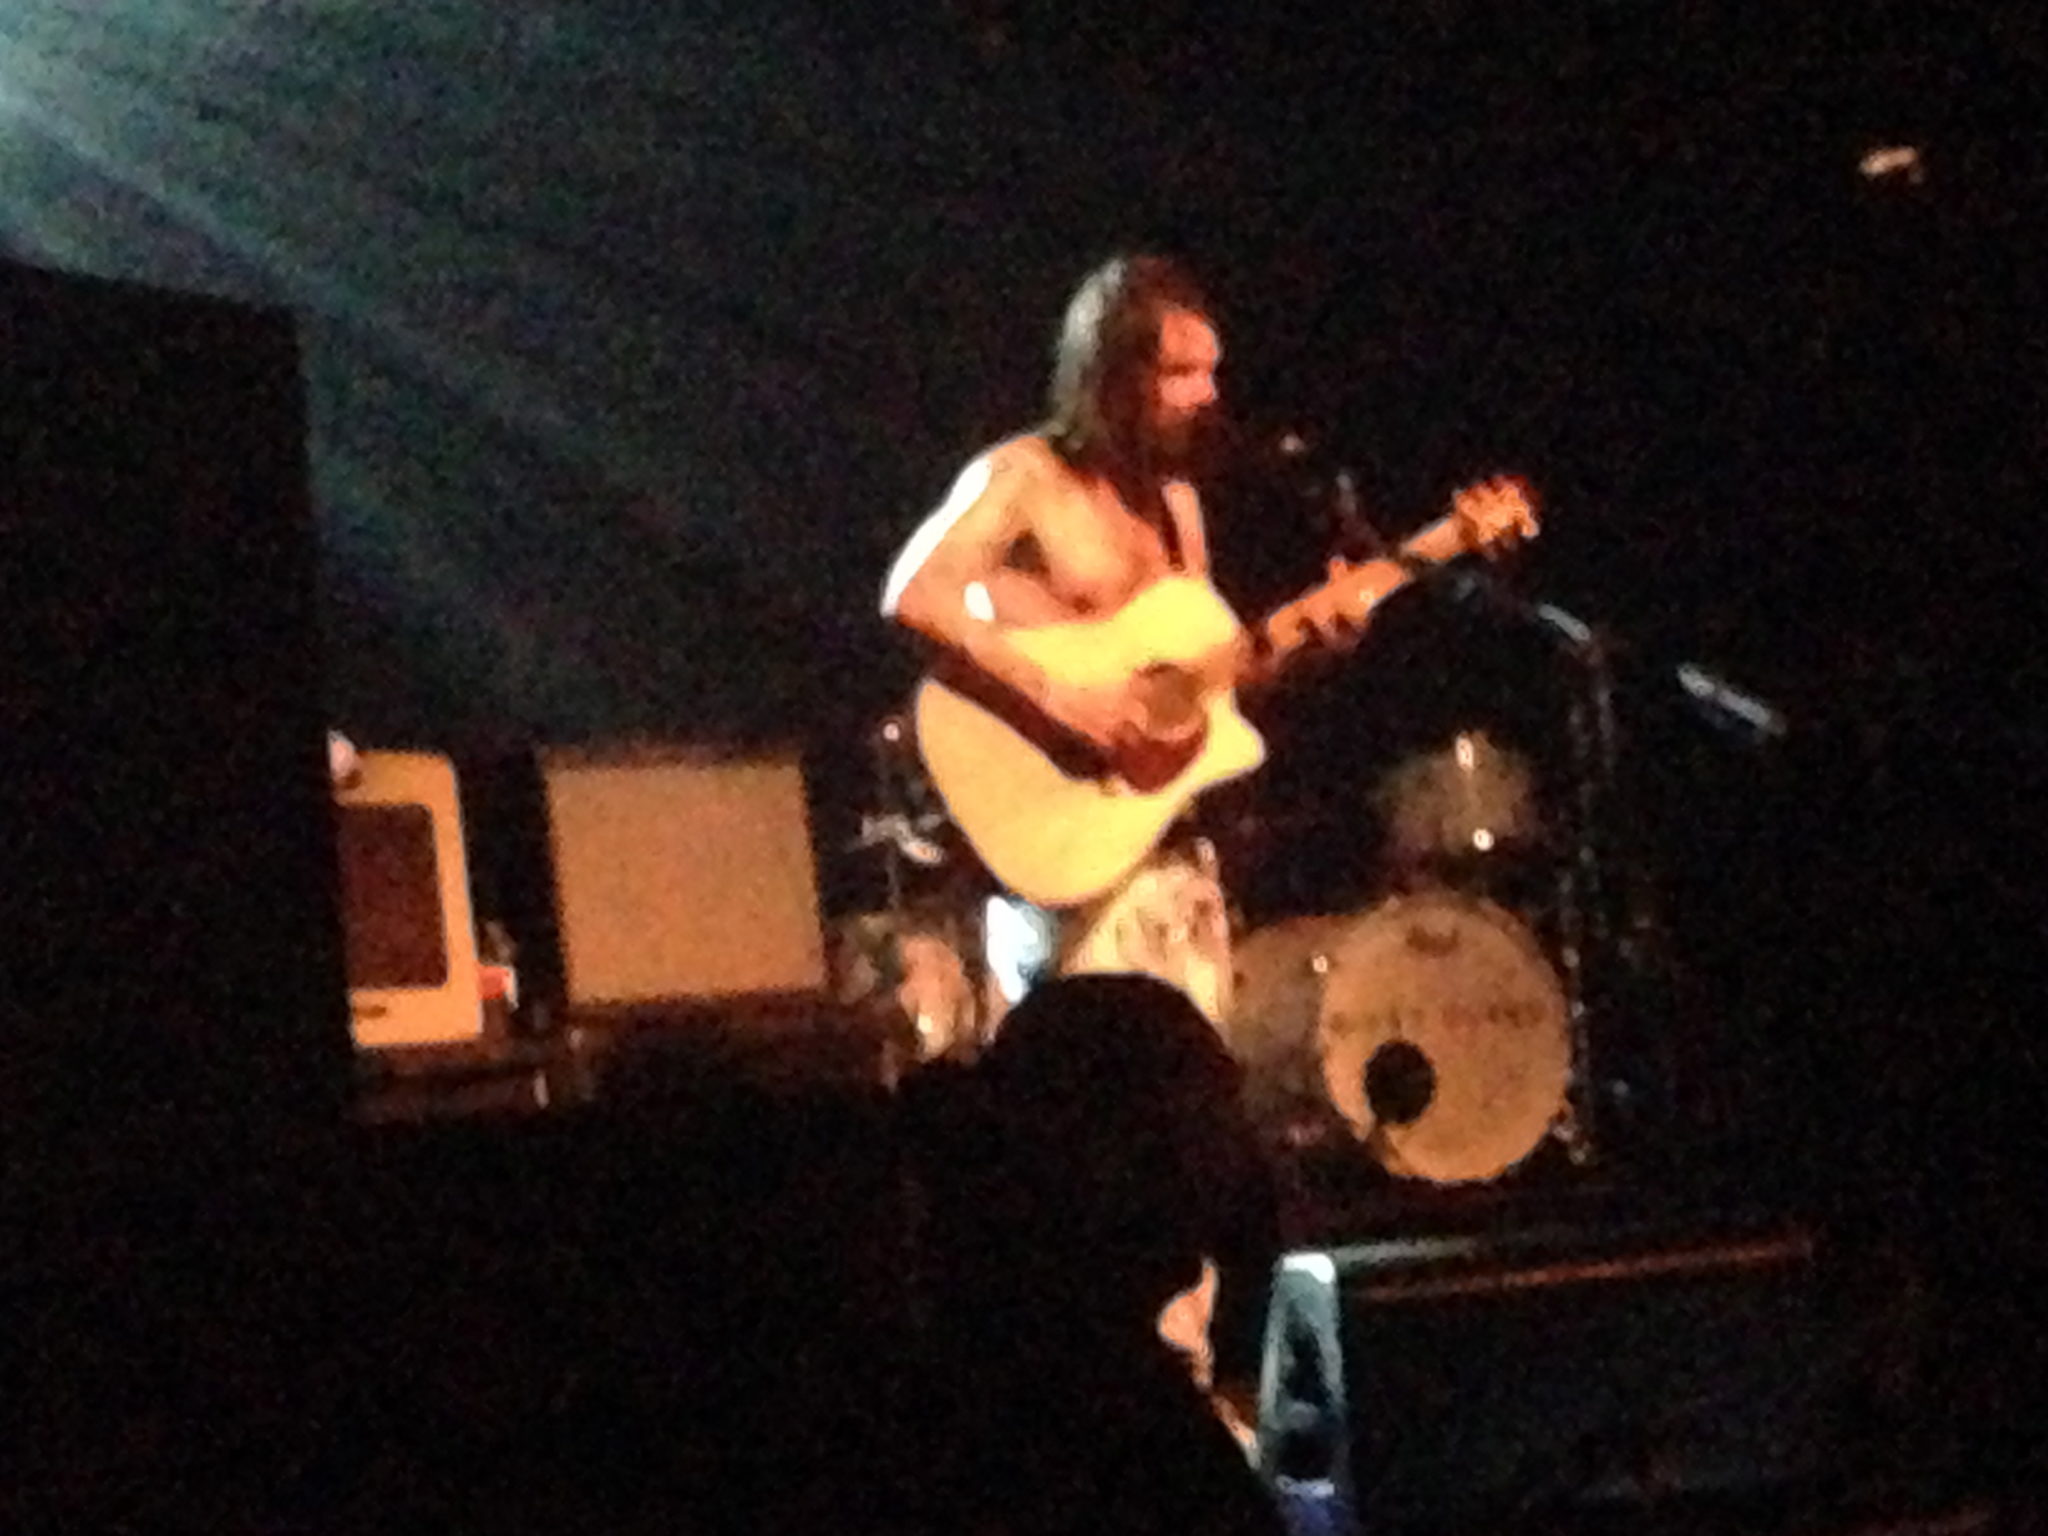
(1357, 538)
(1484, 589)
(1314, 477)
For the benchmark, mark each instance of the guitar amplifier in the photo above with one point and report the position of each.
(682, 879)
(410, 937)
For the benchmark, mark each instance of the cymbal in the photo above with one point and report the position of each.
(1469, 797)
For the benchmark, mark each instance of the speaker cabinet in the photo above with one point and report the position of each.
(1436, 1383)
(682, 878)
(172, 955)
(410, 934)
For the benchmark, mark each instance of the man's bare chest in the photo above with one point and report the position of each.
(1090, 551)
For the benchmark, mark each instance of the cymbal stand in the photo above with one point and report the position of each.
(1584, 926)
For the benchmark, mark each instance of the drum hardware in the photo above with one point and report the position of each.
(905, 820)
(1584, 922)
(1586, 919)
(913, 959)
(1607, 928)
(912, 837)
(911, 972)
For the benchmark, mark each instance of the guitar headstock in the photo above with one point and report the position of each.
(1495, 514)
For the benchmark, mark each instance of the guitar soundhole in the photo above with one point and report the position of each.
(1172, 700)
(1152, 764)
(1176, 724)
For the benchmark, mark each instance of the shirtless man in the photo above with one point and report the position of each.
(1072, 520)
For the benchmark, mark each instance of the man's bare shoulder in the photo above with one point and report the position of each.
(1021, 460)
(1001, 481)
(992, 502)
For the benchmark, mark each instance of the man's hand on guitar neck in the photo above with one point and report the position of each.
(1486, 518)
(1339, 610)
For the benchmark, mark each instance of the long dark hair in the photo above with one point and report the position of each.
(1102, 372)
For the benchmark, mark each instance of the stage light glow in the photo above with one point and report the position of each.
(1482, 839)
(1893, 162)
(12, 203)
(236, 127)
(1468, 755)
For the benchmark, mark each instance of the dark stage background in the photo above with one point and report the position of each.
(635, 339)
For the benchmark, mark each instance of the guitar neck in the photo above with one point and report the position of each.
(1355, 590)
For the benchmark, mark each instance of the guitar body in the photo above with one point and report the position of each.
(1058, 826)
(1059, 837)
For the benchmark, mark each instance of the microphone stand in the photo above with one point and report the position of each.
(1584, 925)
(1604, 909)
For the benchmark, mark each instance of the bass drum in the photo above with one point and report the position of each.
(1275, 1014)
(1432, 1028)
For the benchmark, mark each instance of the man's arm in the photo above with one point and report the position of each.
(944, 582)
(952, 583)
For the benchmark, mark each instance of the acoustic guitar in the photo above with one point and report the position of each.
(1059, 820)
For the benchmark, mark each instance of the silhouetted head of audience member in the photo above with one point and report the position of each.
(1074, 1179)
(1108, 1142)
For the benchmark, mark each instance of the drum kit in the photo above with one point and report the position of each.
(1431, 1023)
(1433, 1029)
(1423, 986)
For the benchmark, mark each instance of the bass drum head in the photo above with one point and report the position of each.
(1444, 1037)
